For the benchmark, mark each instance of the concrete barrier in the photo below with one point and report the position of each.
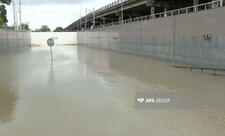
(63, 38)
(10, 39)
(195, 39)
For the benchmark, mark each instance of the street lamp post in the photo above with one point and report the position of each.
(122, 13)
(14, 14)
(20, 14)
(93, 18)
(86, 19)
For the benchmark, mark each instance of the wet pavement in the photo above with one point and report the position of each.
(91, 92)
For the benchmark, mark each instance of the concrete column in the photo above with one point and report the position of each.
(103, 20)
(152, 11)
(165, 10)
(214, 5)
(195, 2)
(93, 26)
(120, 18)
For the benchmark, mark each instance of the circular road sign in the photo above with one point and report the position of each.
(50, 42)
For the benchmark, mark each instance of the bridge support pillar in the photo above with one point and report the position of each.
(165, 10)
(222, 3)
(152, 10)
(103, 20)
(214, 5)
(195, 2)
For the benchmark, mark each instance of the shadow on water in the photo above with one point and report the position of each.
(9, 80)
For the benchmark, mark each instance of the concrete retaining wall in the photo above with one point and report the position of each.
(177, 39)
(11, 39)
(63, 38)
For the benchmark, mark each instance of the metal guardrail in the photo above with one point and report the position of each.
(186, 10)
(113, 4)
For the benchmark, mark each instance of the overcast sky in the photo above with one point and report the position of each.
(54, 12)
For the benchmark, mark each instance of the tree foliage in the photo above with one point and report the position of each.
(45, 28)
(58, 29)
(1, 21)
(3, 12)
(25, 26)
(5, 2)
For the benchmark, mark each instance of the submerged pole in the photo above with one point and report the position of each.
(51, 43)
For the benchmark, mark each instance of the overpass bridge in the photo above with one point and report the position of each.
(128, 9)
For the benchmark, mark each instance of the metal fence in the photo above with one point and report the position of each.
(186, 10)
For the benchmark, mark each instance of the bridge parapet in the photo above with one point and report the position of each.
(122, 10)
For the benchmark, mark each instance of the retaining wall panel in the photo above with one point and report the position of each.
(178, 39)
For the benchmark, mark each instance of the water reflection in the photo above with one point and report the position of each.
(51, 78)
(126, 74)
(151, 72)
(7, 105)
(8, 85)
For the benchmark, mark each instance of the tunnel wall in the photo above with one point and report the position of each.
(10, 39)
(179, 39)
(63, 38)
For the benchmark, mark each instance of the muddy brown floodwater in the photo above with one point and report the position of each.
(90, 92)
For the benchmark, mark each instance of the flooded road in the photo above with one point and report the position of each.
(91, 92)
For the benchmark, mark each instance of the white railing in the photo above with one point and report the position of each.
(186, 10)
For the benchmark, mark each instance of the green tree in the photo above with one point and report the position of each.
(1, 21)
(25, 26)
(3, 12)
(45, 28)
(5, 1)
(58, 29)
